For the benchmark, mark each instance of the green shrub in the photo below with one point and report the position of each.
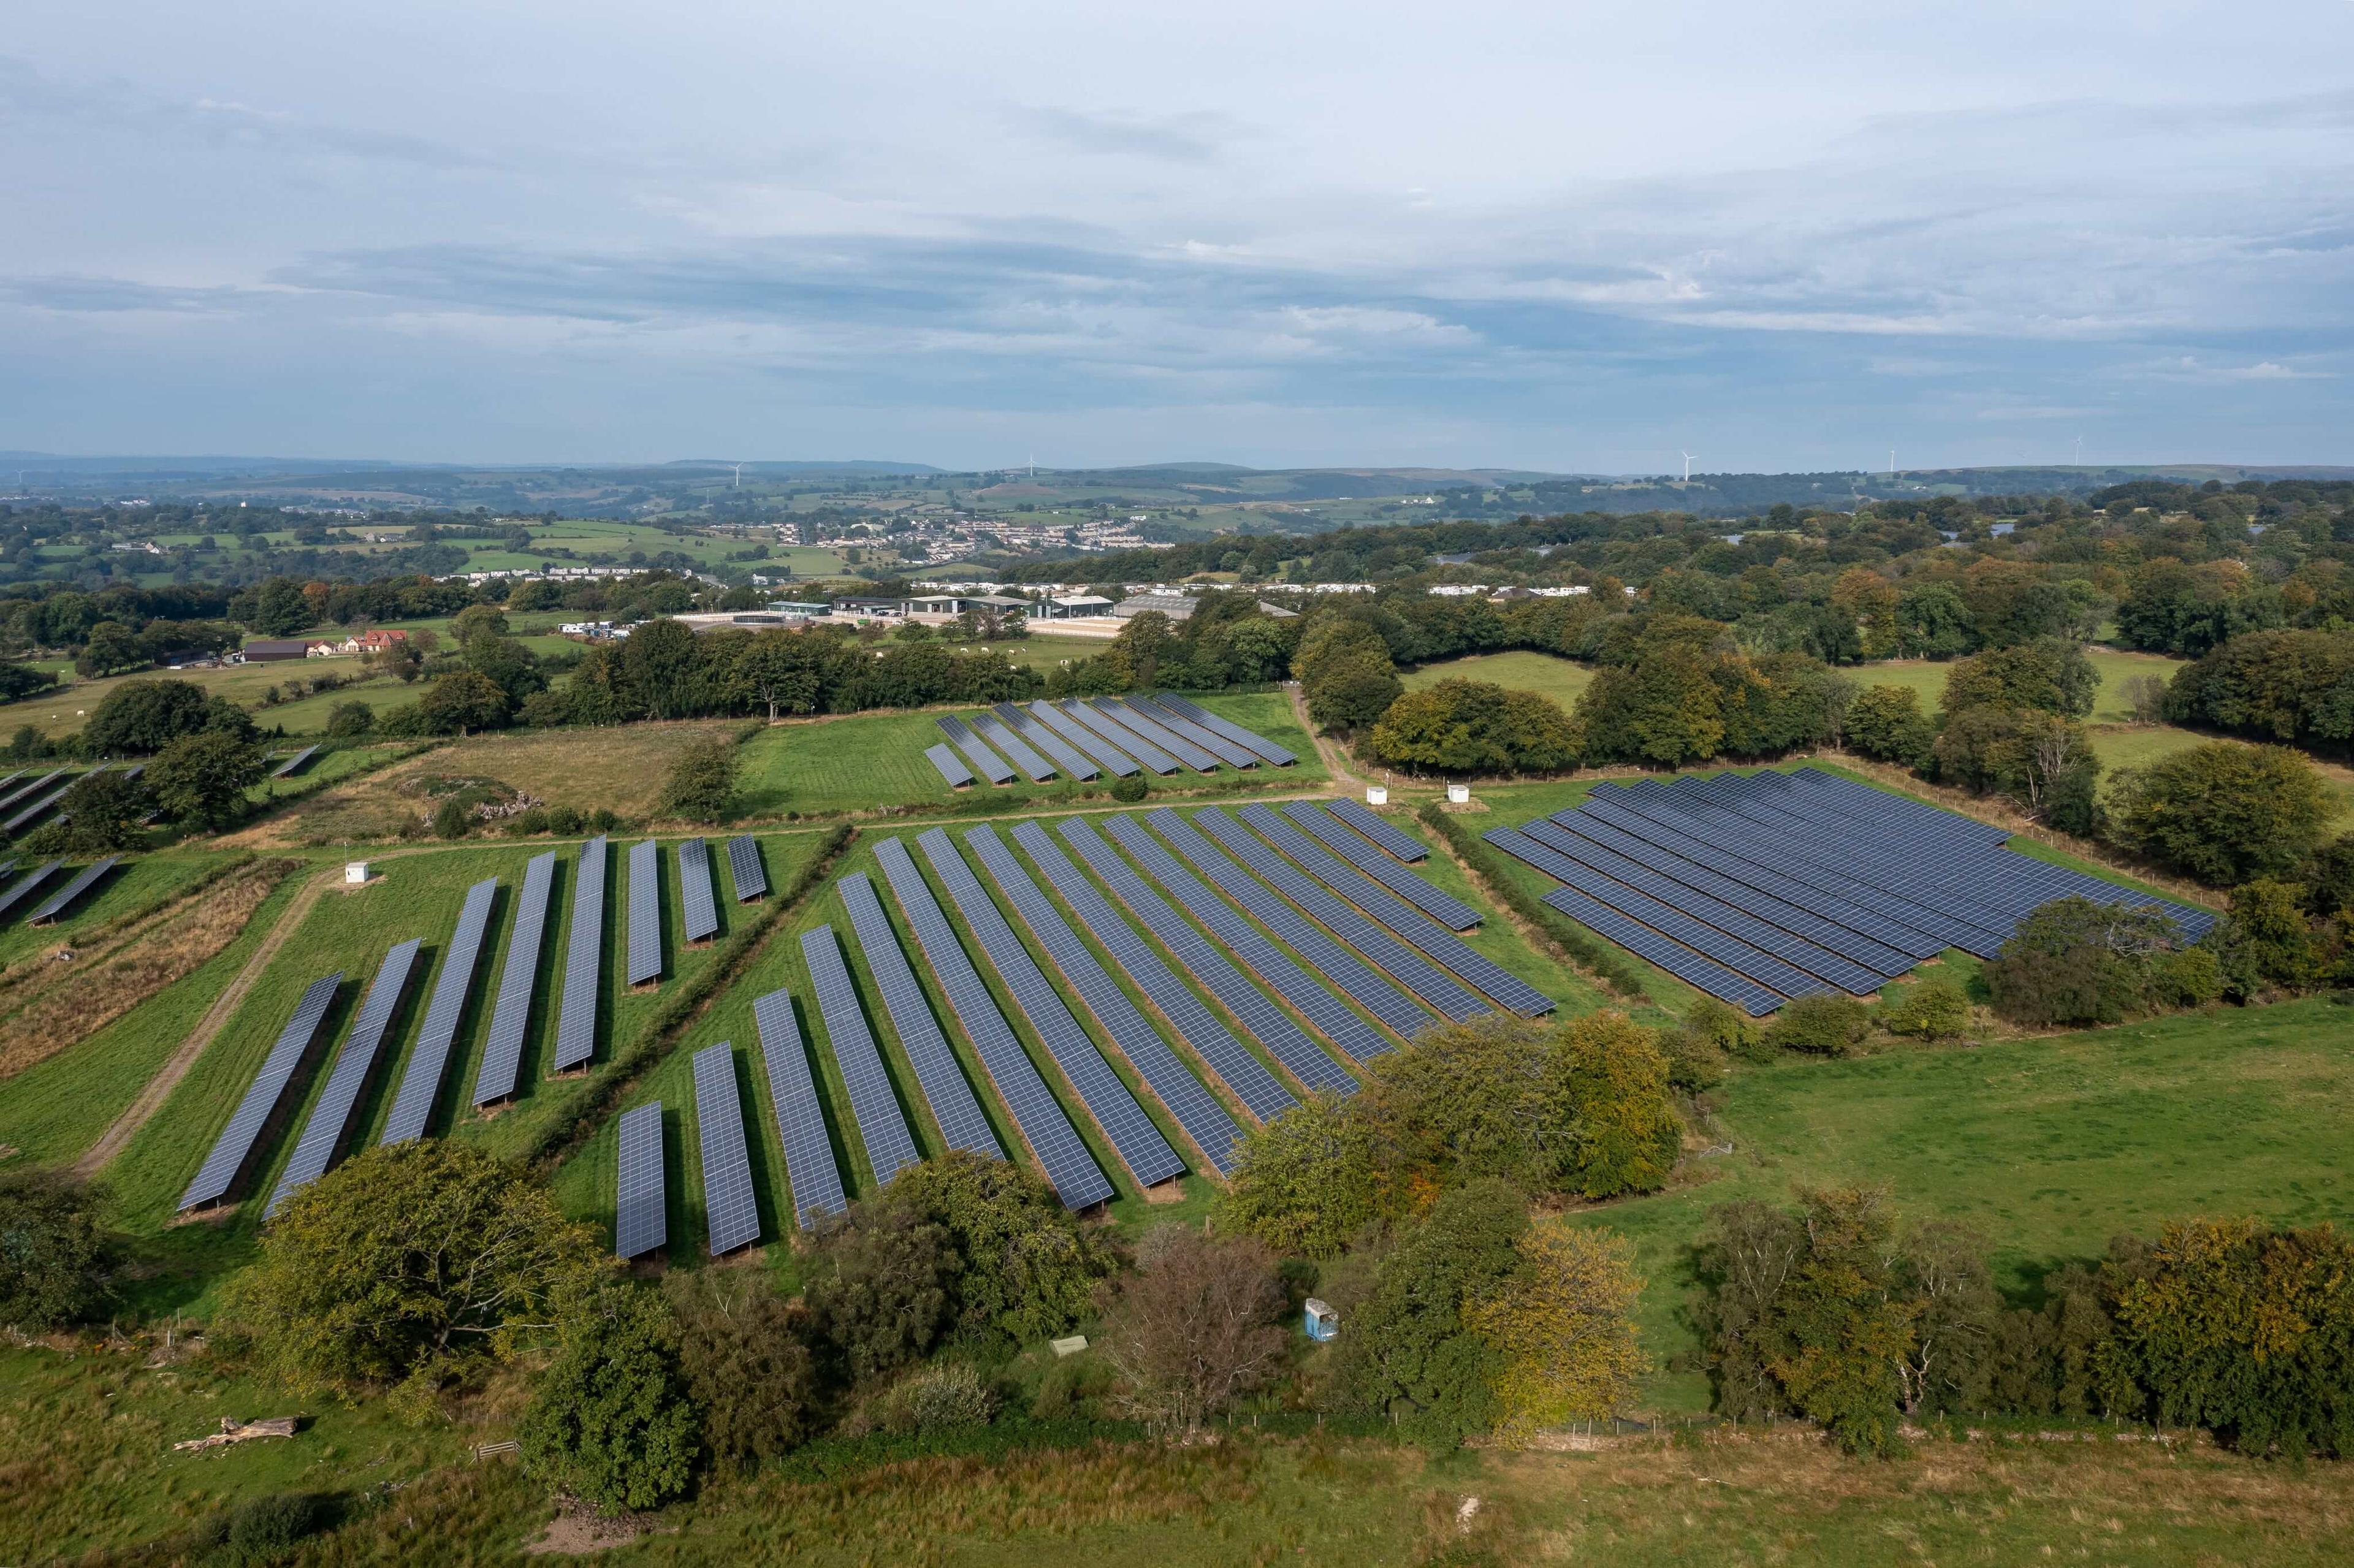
(1823, 1026)
(1129, 790)
(452, 818)
(1935, 1009)
(262, 1531)
(609, 1422)
(2192, 977)
(348, 721)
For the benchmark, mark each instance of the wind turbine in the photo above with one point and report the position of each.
(739, 475)
(1688, 463)
(2080, 452)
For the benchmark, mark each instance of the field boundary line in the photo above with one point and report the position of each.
(159, 1089)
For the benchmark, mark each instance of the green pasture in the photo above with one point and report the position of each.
(1522, 670)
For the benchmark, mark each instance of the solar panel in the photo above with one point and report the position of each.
(1225, 726)
(1139, 746)
(1426, 979)
(729, 1208)
(751, 878)
(7, 866)
(1067, 756)
(1046, 1127)
(1442, 947)
(1331, 1016)
(890, 1147)
(26, 883)
(217, 1177)
(1334, 963)
(40, 805)
(420, 1079)
(696, 901)
(1260, 1090)
(1206, 1122)
(800, 1119)
(293, 764)
(584, 962)
(28, 790)
(331, 1118)
(1017, 750)
(952, 767)
(1113, 760)
(1359, 851)
(962, 1123)
(1390, 838)
(1261, 1018)
(1139, 1143)
(1176, 746)
(494, 1079)
(1226, 752)
(645, 966)
(640, 1208)
(988, 763)
(57, 903)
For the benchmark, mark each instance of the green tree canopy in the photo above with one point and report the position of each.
(140, 718)
(202, 779)
(609, 1422)
(2222, 811)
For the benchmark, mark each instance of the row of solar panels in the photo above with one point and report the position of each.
(1086, 740)
(1757, 888)
(60, 900)
(328, 1125)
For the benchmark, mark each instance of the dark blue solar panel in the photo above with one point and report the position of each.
(744, 867)
(952, 767)
(331, 1118)
(1067, 756)
(1227, 728)
(730, 1211)
(63, 899)
(1198, 735)
(420, 1079)
(1175, 745)
(1082, 739)
(1436, 988)
(1140, 1144)
(1330, 960)
(1267, 1023)
(890, 1147)
(1344, 842)
(1205, 1121)
(640, 1209)
(990, 765)
(518, 980)
(584, 962)
(1332, 1016)
(696, 902)
(1017, 750)
(1056, 1143)
(26, 883)
(293, 764)
(1120, 735)
(1260, 1090)
(1387, 835)
(800, 1119)
(645, 955)
(234, 1149)
(954, 1105)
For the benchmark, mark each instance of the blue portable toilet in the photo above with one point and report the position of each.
(1322, 1321)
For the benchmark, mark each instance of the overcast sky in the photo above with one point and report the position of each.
(1552, 234)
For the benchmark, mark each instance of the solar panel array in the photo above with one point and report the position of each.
(1139, 1143)
(640, 1209)
(1331, 1016)
(954, 1107)
(729, 1208)
(1137, 723)
(1438, 988)
(1017, 750)
(1067, 757)
(584, 962)
(1201, 715)
(1359, 851)
(1084, 740)
(695, 894)
(744, 868)
(26, 883)
(1136, 746)
(1334, 963)
(230, 1152)
(331, 1118)
(1060, 1150)
(1209, 1124)
(40, 805)
(800, 1120)
(1260, 1090)
(494, 1079)
(1440, 946)
(421, 1078)
(1392, 840)
(990, 765)
(890, 1147)
(57, 903)
(293, 764)
(1231, 753)
(951, 766)
(26, 790)
(1761, 887)
(645, 958)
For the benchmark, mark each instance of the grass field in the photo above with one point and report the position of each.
(1562, 680)
(2049, 1146)
(2115, 666)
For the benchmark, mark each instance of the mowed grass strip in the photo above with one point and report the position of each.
(1520, 670)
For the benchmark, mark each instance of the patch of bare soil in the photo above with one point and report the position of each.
(63, 1001)
(578, 1529)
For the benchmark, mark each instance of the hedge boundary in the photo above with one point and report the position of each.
(1595, 955)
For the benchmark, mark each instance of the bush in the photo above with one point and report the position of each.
(1193, 1329)
(700, 784)
(452, 818)
(1822, 1025)
(609, 1422)
(2222, 811)
(1935, 1009)
(262, 1531)
(349, 721)
(1129, 790)
(1886, 721)
(56, 1258)
(939, 1398)
(2074, 961)
(744, 1352)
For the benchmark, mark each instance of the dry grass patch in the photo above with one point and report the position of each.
(52, 1004)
